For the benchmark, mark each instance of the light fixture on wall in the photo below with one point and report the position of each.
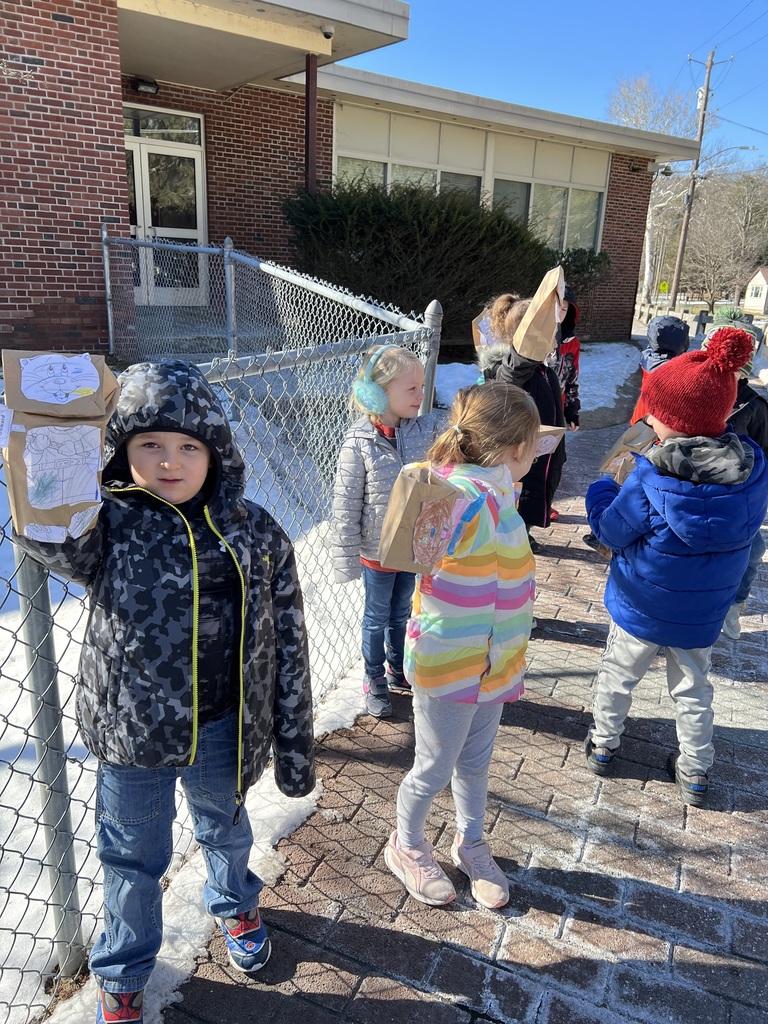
(657, 168)
(148, 85)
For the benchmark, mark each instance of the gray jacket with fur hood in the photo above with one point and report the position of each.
(365, 475)
(137, 683)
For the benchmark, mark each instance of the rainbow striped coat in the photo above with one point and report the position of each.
(471, 620)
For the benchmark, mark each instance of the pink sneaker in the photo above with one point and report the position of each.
(488, 882)
(419, 872)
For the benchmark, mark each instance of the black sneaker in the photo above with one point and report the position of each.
(398, 684)
(536, 547)
(599, 759)
(591, 541)
(693, 789)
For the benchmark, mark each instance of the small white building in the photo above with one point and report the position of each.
(756, 293)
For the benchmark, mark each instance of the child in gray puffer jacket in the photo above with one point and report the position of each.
(388, 391)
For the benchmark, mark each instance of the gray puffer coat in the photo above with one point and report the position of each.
(137, 695)
(365, 475)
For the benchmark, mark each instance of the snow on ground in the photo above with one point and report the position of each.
(604, 366)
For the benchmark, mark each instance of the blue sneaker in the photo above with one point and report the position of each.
(117, 1006)
(247, 941)
(377, 699)
(599, 759)
(693, 789)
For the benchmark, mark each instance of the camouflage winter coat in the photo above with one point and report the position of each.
(137, 692)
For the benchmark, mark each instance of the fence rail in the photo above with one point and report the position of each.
(284, 383)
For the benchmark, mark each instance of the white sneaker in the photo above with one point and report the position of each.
(732, 627)
(488, 882)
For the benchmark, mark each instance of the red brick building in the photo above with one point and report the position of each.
(190, 122)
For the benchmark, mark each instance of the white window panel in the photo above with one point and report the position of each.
(514, 156)
(553, 161)
(414, 140)
(462, 147)
(360, 130)
(590, 167)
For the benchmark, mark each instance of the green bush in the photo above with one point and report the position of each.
(407, 245)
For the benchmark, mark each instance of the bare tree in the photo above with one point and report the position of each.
(638, 104)
(729, 233)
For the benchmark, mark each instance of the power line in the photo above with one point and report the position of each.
(746, 27)
(759, 84)
(747, 126)
(754, 43)
(736, 15)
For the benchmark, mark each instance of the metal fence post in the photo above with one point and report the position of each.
(51, 774)
(108, 287)
(229, 297)
(433, 318)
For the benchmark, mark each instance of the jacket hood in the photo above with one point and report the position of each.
(668, 334)
(491, 355)
(172, 396)
(709, 517)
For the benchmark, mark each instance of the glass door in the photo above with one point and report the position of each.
(166, 201)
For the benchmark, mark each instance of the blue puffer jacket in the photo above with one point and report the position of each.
(680, 549)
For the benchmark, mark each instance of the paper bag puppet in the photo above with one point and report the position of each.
(57, 407)
(423, 515)
(535, 337)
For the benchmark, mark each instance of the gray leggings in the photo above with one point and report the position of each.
(454, 743)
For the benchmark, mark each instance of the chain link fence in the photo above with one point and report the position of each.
(288, 410)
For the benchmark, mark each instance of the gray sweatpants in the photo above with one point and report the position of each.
(625, 661)
(454, 743)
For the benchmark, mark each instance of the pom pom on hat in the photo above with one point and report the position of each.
(695, 392)
(746, 367)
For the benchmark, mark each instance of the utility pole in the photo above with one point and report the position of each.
(691, 184)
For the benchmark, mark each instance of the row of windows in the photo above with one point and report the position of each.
(561, 216)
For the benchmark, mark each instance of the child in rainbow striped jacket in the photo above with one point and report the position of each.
(466, 642)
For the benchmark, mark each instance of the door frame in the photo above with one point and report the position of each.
(147, 292)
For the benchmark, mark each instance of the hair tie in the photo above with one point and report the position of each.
(457, 429)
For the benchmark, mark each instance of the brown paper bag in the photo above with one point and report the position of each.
(418, 523)
(535, 337)
(57, 407)
(549, 438)
(619, 461)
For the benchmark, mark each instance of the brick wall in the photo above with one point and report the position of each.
(61, 150)
(254, 151)
(626, 207)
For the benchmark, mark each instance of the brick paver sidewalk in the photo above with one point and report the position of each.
(625, 906)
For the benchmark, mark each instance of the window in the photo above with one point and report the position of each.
(350, 168)
(583, 219)
(468, 183)
(161, 127)
(756, 291)
(407, 175)
(547, 218)
(514, 196)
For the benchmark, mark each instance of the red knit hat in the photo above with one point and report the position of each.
(694, 393)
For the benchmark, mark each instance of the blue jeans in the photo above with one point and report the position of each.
(135, 808)
(388, 597)
(756, 553)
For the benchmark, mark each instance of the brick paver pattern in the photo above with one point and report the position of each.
(625, 905)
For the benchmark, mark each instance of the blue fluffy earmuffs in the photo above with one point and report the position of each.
(367, 392)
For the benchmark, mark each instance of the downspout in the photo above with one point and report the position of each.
(310, 124)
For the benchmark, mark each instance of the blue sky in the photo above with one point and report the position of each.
(568, 56)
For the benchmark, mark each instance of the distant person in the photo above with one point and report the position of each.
(466, 643)
(680, 529)
(667, 337)
(503, 363)
(388, 392)
(194, 667)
